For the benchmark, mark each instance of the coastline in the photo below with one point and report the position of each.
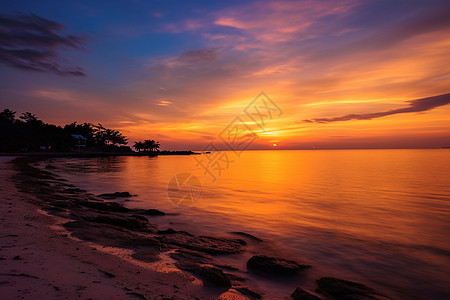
(95, 154)
(40, 261)
(125, 253)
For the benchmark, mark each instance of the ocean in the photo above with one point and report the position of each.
(378, 217)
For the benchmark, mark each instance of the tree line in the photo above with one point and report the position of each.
(147, 145)
(29, 134)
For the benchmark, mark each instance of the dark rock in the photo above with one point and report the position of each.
(235, 278)
(210, 275)
(211, 245)
(185, 258)
(115, 195)
(55, 197)
(62, 204)
(137, 295)
(109, 235)
(301, 294)
(72, 191)
(154, 212)
(50, 167)
(172, 231)
(107, 274)
(248, 293)
(335, 288)
(105, 206)
(267, 265)
(129, 222)
(226, 266)
(167, 231)
(247, 235)
(60, 179)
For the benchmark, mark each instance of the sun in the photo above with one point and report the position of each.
(274, 145)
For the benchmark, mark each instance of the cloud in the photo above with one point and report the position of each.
(29, 42)
(55, 94)
(418, 105)
(425, 21)
(198, 56)
(163, 102)
(280, 21)
(191, 58)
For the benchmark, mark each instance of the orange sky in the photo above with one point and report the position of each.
(182, 78)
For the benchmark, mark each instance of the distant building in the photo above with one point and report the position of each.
(81, 141)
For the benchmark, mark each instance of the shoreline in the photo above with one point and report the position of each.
(95, 154)
(39, 260)
(126, 239)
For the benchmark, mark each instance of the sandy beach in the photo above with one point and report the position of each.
(41, 261)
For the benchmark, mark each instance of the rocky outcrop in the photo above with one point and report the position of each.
(247, 235)
(267, 265)
(154, 212)
(115, 195)
(109, 235)
(172, 231)
(248, 293)
(301, 294)
(207, 244)
(210, 275)
(105, 206)
(335, 288)
(128, 222)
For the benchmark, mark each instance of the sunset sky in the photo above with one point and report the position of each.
(345, 74)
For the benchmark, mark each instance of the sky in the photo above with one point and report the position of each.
(338, 74)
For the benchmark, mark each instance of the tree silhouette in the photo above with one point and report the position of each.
(138, 146)
(156, 146)
(151, 145)
(28, 133)
(147, 145)
(108, 137)
(7, 116)
(28, 117)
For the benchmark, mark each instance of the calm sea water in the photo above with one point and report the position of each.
(379, 217)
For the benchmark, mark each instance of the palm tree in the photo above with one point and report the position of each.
(138, 146)
(156, 145)
(151, 145)
(147, 145)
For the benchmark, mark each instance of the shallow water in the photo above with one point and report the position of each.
(379, 217)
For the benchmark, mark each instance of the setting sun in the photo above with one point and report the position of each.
(274, 145)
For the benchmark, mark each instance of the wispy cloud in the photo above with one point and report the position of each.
(163, 103)
(280, 21)
(429, 20)
(419, 105)
(55, 94)
(191, 58)
(198, 56)
(29, 42)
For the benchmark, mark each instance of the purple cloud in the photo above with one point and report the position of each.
(29, 42)
(418, 105)
(198, 56)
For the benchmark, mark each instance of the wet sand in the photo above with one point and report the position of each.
(40, 261)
